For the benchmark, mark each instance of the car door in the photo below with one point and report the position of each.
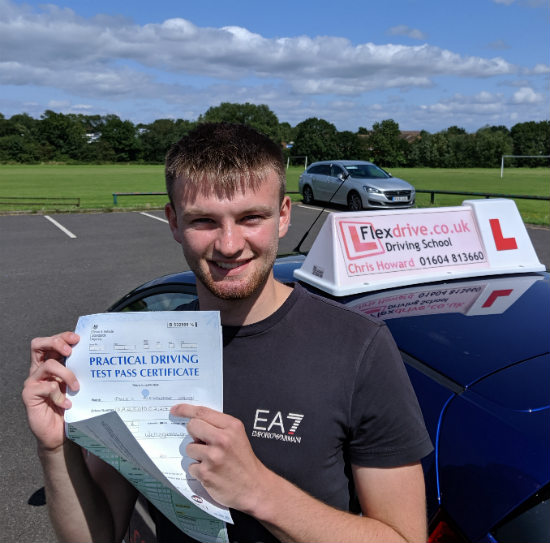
(335, 185)
(319, 181)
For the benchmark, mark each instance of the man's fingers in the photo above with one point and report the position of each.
(57, 396)
(211, 416)
(60, 344)
(53, 370)
(46, 390)
(205, 433)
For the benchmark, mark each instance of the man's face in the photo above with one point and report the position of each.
(231, 243)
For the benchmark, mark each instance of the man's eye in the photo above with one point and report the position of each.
(201, 220)
(252, 218)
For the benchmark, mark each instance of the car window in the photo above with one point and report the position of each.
(369, 171)
(322, 169)
(376, 173)
(164, 301)
(335, 170)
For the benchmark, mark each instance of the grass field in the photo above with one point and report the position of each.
(94, 185)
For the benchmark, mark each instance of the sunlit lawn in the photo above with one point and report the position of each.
(95, 185)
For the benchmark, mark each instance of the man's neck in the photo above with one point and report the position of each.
(247, 310)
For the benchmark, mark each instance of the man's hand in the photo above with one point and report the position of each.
(225, 464)
(45, 388)
(231, 473)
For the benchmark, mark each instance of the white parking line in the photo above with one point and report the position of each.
(60, 226)
(153, 216)
(314, 208)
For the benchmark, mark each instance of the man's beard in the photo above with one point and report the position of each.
(225, 290)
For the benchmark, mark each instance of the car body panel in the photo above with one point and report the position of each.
(333, 181)
(484, 348)
(433, 402)
(494, 457)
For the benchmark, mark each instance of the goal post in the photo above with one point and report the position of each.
(517, 156)
(296, 160)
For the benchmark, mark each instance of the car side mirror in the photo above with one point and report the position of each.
(342, 176)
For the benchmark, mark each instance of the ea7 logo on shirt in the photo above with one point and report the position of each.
(275, 425)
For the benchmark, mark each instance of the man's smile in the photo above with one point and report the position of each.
(229, 265)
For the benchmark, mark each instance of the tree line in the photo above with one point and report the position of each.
(91, 139)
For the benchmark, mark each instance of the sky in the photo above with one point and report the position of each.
(426, 64)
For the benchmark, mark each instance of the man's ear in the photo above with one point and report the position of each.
(172, 218)
(284, 216)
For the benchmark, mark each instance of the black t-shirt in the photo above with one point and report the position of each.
(318, 387)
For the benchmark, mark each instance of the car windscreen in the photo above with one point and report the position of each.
(366, 171)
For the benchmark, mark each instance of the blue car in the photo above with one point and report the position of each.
(477, 352)
(468, 303)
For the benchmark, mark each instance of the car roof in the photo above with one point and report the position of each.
(342, 162)
(468, 347)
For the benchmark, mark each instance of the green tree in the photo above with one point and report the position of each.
(490, 143)
(458, 152)
(62, 137)
(18, 139)
(23, 124)
(531, 138)
(349, 146)
(157, 137)
(286, 133)
(118, 140)
(259, 117)
(422, 150)
(17, 148)
(386, 145)
(317, 139)
(432, 151)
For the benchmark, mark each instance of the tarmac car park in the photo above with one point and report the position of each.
(471, 321)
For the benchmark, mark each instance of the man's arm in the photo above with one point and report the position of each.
(87, 499)
(396, 497)
(85, 504)
(392, 499)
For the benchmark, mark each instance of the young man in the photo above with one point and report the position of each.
(294, 365)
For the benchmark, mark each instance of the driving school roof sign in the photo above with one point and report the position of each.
(359, 252)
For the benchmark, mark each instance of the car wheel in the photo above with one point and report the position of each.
(354, 202)
(307, 195)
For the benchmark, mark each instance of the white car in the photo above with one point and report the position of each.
(355, 184)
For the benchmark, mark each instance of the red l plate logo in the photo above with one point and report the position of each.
(502, 243)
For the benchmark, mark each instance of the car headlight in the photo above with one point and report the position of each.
(372, 190)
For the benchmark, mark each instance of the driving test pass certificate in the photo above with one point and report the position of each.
(132, 368)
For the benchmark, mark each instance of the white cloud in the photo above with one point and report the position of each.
(59, 104)
(37, 47)
(404, 30)
(177, 69)
(541, 69)
(499, 45)
(527, 95)
(481, 103)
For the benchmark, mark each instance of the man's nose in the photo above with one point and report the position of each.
(230, 240)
